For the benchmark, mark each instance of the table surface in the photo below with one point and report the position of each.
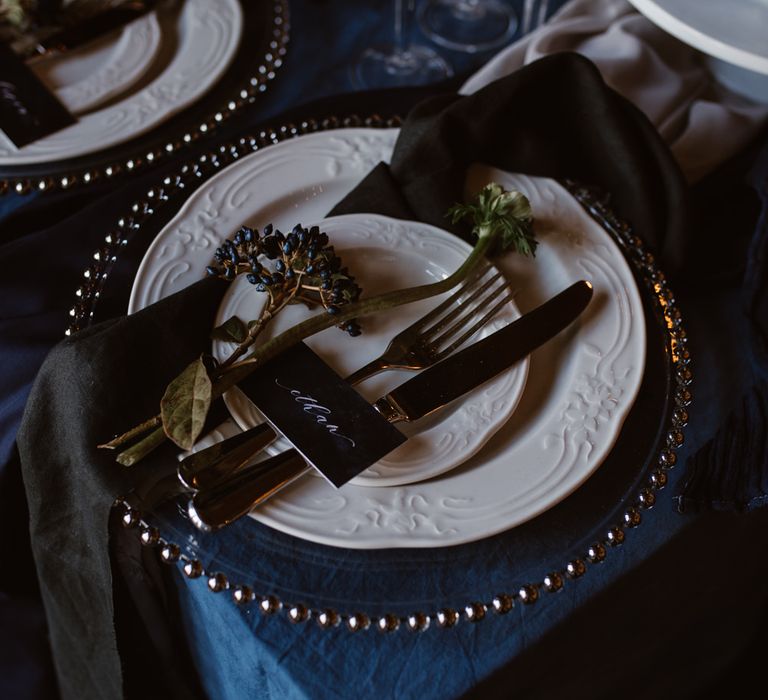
(660, 610)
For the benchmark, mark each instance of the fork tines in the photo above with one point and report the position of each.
(468, 301)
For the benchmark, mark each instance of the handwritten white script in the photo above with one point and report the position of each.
(320, 413)
(9, 95)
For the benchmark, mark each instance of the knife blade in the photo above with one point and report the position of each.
(430, 390)
(92, 28)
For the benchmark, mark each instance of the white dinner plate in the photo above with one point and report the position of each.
(580, 385)
(384, 255)
(84, 78)
(197, 48)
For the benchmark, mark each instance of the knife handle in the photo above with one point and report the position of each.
(230, 499)
(204, 468)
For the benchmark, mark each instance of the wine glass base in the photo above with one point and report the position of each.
(468, 26)
(387, 66)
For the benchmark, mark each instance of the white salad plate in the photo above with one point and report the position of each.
(386, 254)
(580, 385)
(86, 77)
(197, 46)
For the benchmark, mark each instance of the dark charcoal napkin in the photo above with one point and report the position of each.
(95, 384)
(554, 118)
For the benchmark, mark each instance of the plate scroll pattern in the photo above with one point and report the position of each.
(601, 373)
(523, 471)
(205, 220)
(360, 150)
(128, 58)
(462, 429)
(188, 555)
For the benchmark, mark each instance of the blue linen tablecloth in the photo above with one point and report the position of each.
(670, 609)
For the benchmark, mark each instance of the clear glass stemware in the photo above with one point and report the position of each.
(534, 15)
(468, 25)
(402, 62)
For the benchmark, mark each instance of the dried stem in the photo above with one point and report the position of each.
(497, 215)
(236, 372)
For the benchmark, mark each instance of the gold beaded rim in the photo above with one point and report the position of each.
(676, 345)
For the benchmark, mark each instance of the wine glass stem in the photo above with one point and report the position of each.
(404, 10)
(468, 10)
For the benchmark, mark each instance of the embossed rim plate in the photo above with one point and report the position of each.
(84, 78)
(580, 386)
(208, 37)
(386, 254)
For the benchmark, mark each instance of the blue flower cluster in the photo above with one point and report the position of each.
(300, 265)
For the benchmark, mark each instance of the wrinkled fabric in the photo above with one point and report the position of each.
(756, 274)
(703, 122)
(731, 471)
(85, 393)
(94, 384)
(554, 118)
(244, 654)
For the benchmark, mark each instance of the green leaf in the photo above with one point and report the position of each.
(185, 405)
(499, 211)
(461, 211)
(518, 234)
(233, 330)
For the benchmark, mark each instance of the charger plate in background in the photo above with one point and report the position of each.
(169, 112)
(580, 387)
(199, 42)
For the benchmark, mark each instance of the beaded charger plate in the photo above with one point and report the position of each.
(580, 387)
(202, 75)
(581, 531)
